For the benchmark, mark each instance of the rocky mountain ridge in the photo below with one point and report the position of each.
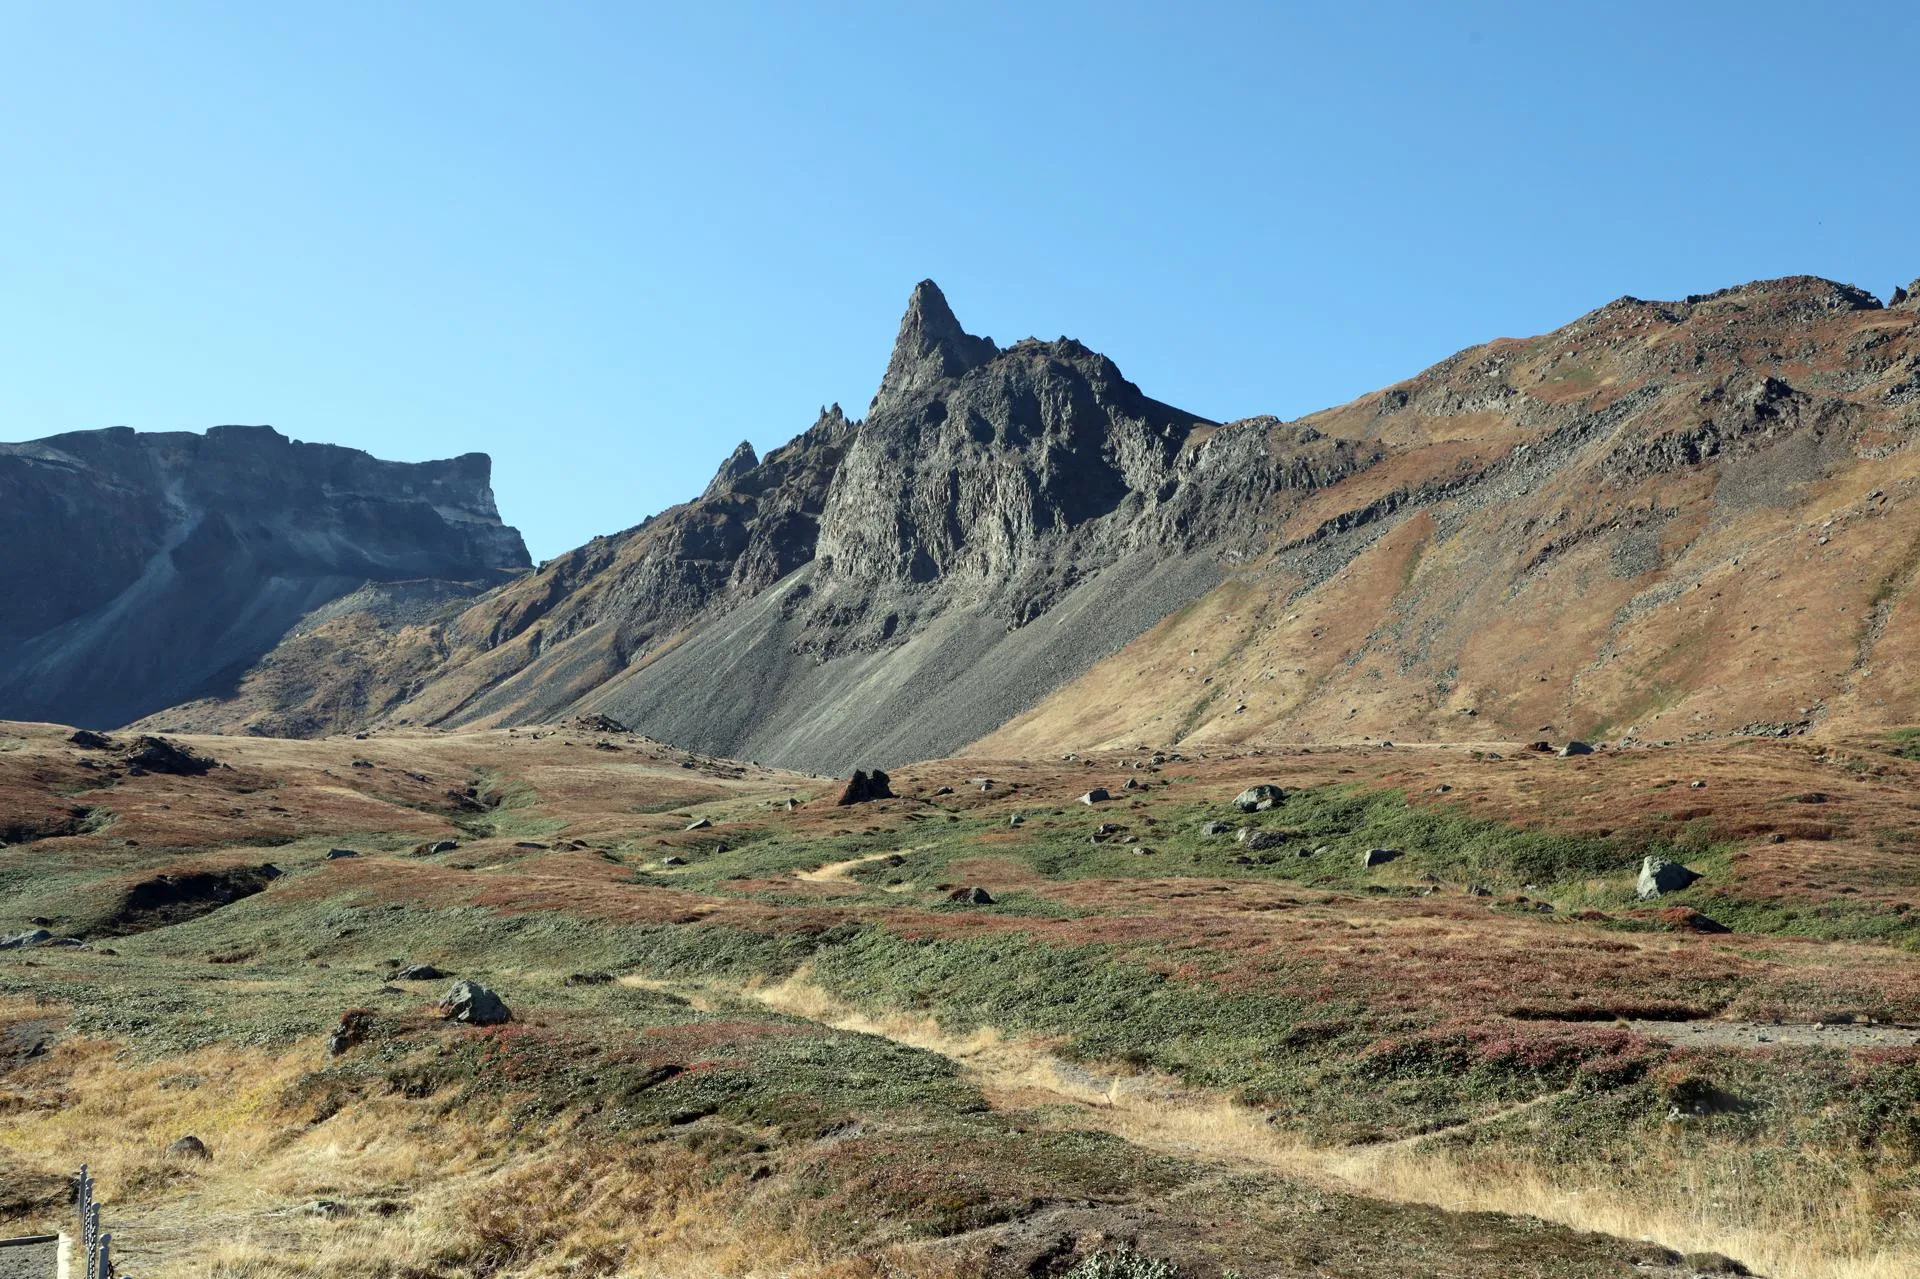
(1017, 545)
(147, 569)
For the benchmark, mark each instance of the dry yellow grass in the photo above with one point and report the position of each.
(1695, 1200)
(423, 1193)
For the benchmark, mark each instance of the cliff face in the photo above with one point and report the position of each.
(146, 569)
(1679, 518)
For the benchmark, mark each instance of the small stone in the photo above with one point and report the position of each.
(335, 854)
(355, 1025)
(673, 861)
(419, 972)
(699, 823)
(1015, 819)
(588, 979)
(1212, 829)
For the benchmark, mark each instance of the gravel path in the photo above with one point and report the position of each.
(1750, 1034)
(35, 1261)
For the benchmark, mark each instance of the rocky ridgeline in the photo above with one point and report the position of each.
(143, 570)
(896, 586)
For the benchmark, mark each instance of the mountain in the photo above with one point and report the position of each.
(1677, 518)
(144, 570)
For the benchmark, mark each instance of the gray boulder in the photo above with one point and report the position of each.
(1097, 795)
(975, 896)
(1255, 838)
(1659, 876)
(474, 1004)
(1378, 856)
(20, 941)
(1574, 748)
(1215, 829)
(1258, 799)
(419, 972)
(699, 824)
(335, 854)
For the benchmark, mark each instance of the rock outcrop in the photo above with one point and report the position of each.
(144, 570)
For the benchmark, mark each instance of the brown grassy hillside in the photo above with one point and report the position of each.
(755, 1039)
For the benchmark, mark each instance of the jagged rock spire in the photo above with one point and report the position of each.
(738, 463)
(931, 348)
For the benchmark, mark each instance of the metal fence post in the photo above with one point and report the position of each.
(105, 1270)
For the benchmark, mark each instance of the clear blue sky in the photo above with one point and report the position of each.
(604, 242)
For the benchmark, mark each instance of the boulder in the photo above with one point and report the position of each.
(1097, 795)
(1255, 838)
(1258, 799)
(699, 823)
(673, 861)
(158, 755)
(1215, 829)
(419, 972)
(1574, 748)
(88, 740)
(599, 724)
(1014, 819)
(20, 941)
(863, 787)
(474, 1004)
(1659, 876)
(335, 854)
(189, 1147)
(431, 847)
(975, 896)
(1378, 857)
(1540, 746)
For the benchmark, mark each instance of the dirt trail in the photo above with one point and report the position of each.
(1161, 1114)
(838, 870)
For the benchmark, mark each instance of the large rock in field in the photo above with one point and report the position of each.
(474, 1004)
(1659, 876)
(863, 787)
(1258, 799)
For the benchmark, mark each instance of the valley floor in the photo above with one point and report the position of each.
(755, 1037)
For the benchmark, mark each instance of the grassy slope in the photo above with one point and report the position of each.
(1352, 1006)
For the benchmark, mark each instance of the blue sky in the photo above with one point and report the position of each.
(604, 242)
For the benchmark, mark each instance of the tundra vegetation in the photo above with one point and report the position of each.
(1172, 1039)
